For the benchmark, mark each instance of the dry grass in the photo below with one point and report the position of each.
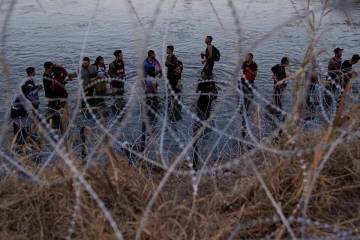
(32, 212)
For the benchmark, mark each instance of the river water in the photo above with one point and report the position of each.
(55, 30)
(61, 31)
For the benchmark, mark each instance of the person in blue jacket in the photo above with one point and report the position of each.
(152, 62)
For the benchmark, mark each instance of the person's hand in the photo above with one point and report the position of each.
(355, 74)
(203, 61)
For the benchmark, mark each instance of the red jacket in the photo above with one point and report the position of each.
(58, 85)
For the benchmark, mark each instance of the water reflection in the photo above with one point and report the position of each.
(58, 34)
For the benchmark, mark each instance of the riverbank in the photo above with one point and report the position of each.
(234, 204)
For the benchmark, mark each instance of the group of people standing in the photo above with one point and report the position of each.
(340, 73)
(337, 80)
(247, 84)
(94, 78)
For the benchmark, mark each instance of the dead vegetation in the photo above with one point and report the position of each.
(233, 205)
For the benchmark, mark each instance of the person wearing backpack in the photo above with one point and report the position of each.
(211, 55)
(20, 111)
(30, 90)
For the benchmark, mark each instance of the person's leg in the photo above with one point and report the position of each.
(248, 95)
(281, 97)
(24, 133)
(244, 107)
(143, 137)
(208, 107)
(196, 128)
(91, 100)
(201, 106)
(87, 103)
(177, 107)
(171, 108)
(277, 96)
(54, 117)
(83, 143)
(204, 70)
(100, 105)
(17, 134)
(150, 109)
(119, 100)
(195, 157)
(328, 97)
(208, 69)
(51, 113)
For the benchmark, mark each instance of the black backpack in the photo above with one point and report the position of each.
(18, 109)
(216, 54)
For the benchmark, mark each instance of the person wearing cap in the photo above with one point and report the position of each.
(347, 70)
(117, 74)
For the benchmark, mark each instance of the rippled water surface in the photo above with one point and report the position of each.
(60, 30)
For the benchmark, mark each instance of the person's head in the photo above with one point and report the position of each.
(99, 61)
(30, 71)
(169, 49)
(177, 69)
(204, 76)
(355, 58)
(338, 52)
(208, 39)
(285, 61)
(151, 72)
(151, 54)
(58, 71)
(48, 66)
(86, 62)
(249, 57)
(118, 55)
